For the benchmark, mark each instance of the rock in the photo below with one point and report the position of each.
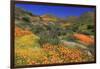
(73, 44)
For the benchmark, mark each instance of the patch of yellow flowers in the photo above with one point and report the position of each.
(31, 54)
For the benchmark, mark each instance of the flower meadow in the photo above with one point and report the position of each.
(47, 39)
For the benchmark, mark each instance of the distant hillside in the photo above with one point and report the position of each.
(83, 24)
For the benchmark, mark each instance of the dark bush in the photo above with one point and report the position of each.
(26, 19)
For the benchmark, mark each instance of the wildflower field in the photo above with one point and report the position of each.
(48, 39)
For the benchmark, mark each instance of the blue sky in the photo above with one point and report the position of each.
(59, 11)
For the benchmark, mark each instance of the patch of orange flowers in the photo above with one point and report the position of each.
(50, 54)
(21, 32)
(70, 54)
(84, 38)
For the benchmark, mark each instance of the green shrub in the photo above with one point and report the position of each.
(26, 19)
(49, 39)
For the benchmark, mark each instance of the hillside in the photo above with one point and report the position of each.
(56, 40)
